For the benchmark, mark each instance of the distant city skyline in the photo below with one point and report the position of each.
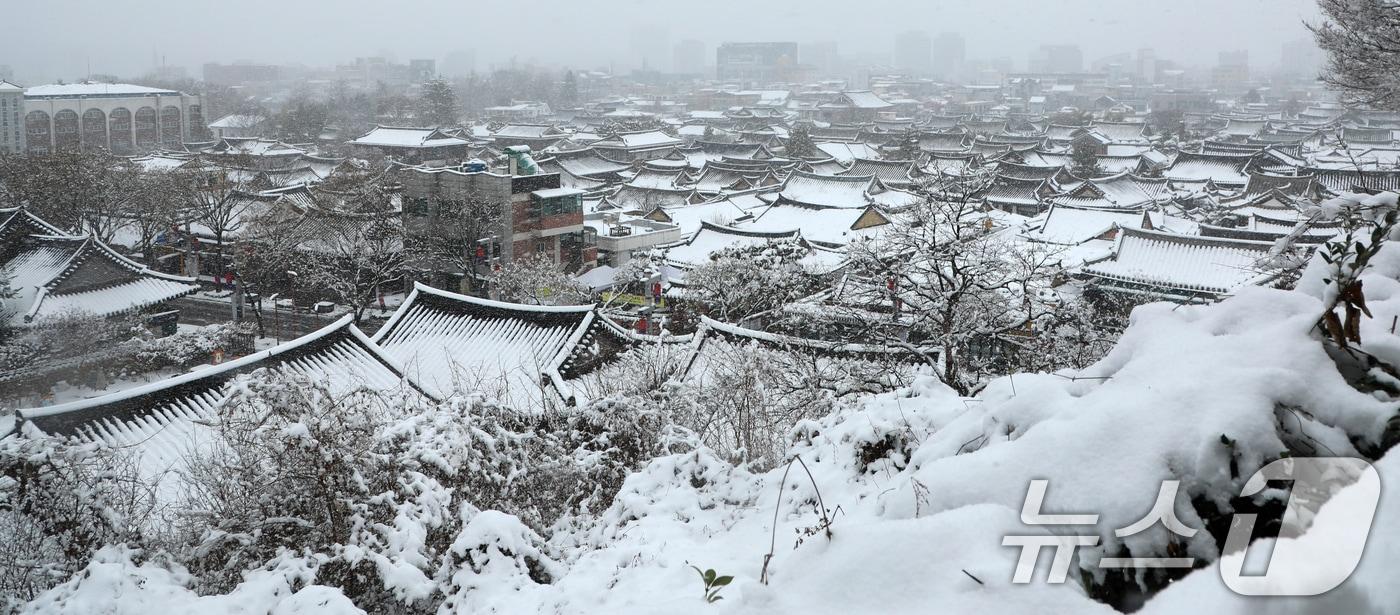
(619, 34)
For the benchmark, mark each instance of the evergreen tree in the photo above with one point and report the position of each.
(438, 105)
(568, 94)
(1084, 161)
(908, 145)
(799, 142)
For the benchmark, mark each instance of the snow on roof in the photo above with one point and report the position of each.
(827, 190)
(831, 227)
(1014, 191)
(160, 423)
(95, 89)
(529, 131)
(1070, 225)
(235, 120)
(551, 193)
(889, 172)
(53, 273)
(628, 196)
(690, 218)
(655, 178)
(585, 163)
(1181, 264)
(506, 352)
(1224, 170)
(712, 238)
(650, 139)
(401, 136)
(848, 153)
(1122, 132)
(1121, 191)
(6, 86)
(158, 162)
(860, 99)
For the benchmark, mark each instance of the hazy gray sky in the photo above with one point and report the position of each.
(59, 38)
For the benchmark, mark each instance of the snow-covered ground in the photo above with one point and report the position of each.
(921, 487)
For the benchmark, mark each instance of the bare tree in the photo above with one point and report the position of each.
(219, 198)
(961, 287)
(1362, 41)
(536, 280)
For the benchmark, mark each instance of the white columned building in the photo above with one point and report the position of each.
(119, 117)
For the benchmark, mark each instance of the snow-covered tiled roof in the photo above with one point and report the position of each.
(848, 153)
(1121, 132)
(528, 131)
(859, 99)
(641, 140)
(1071, 225)
(507, 352)
(409, 137)
(712, 238)
(53, 273)
(890, 172)
(585, 163)
(1182, 265)
(831, 227)
(826, 190)
(1223, 169)
(160, 424)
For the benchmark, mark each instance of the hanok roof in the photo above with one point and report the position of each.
(859, 99)
(238, 120)
(1261, 228)
(640, 140)
(1223, 169)
(1122, 191)
(1013, 170)
(161, 415)
(585, 163)
(712, 238)
(830, 227)
(1296, 185)
(1236, 127)
(1014, 192)
(895, 173)
(654, 178)
(630, 197)
(723, 212)
(719, 178)
(518, 355)
(54, 273)
(1339, 181)
(944, 142)
(407, 137)
(1182, 265)
(827, 191)
(848, 153)
(1122, 132)
(529, 131)
(252, 146)
(1072, 225)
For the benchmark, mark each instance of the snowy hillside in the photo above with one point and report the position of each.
(920, 487)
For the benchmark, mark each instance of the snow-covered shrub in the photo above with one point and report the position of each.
(119, 582)
(183, 349)
(60, 502)
(742, 281)
(287, 466)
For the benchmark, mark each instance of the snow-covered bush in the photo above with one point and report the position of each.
(59, 503)
(182, 349)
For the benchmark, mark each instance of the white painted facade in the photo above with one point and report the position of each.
(121, 118)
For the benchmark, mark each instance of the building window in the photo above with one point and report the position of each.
(568, 204)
